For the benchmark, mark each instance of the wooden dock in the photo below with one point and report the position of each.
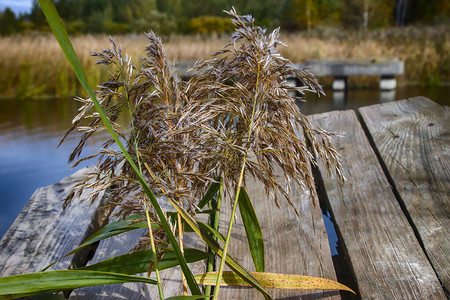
(392, 217)
(340, 69)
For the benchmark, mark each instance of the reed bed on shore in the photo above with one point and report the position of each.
(34, 66)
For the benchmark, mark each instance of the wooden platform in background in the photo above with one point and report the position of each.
(392, 216)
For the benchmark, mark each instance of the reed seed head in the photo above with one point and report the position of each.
(235, 110)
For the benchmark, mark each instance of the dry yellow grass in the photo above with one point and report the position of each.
(34, 65)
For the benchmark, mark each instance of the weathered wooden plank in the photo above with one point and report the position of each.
(386, 258)
(413, 139)
(122, 244)
(43, 232)
(293, 245)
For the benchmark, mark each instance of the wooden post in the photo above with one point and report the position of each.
(339, 83)
(388, 82)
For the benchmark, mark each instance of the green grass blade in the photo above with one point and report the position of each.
(139, 262)
(114, 228)
(36, 283)
(253, 230)
(231, 263)
(207, 228)
(204, 227)
(215, 205)
(210, 193)
(59, 31)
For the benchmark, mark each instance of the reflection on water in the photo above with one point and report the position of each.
(354, 98)
(30, 132)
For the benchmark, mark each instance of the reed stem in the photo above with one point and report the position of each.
(149, 222)
(180, 238)
(180, 230)
(152, 241)
(215, 224)
(236, 200)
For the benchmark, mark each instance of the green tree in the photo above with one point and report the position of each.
(306, 14)
(183, 16)
(210, 24)
(9, 24)
(381, 13)
(36, 17)
(266, 12)
(367, 13)
(70, 10)
(428, 11)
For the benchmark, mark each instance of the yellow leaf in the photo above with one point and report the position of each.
(273, 280)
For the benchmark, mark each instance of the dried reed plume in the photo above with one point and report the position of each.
(242, 108)
(184, 134)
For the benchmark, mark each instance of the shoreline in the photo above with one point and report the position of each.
(32, 66)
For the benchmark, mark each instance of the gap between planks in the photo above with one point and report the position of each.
(342, 264)
(392, 183)
(362, 239)
(418, 171)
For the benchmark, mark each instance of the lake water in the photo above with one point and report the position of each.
(29, 134)
(30, 131)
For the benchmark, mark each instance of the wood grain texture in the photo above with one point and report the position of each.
(413, 139)
(122, 244)
(43, 232)
(293, 245)
(387, 259)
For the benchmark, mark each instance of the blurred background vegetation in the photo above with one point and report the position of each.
(415, 31)
(206, 16)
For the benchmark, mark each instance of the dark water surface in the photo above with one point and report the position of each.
(30, 131)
